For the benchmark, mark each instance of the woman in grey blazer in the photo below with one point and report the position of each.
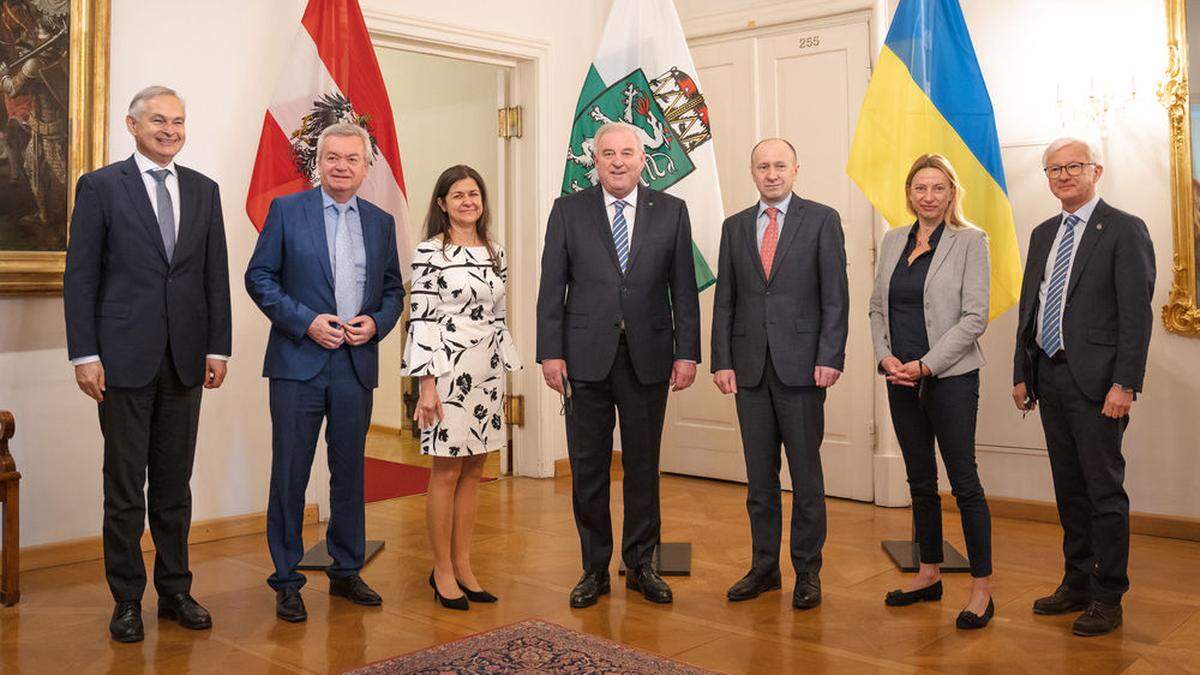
(928, 310)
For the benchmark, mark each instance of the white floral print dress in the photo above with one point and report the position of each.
(456, 332)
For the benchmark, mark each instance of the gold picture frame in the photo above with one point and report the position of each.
(1181, 314)
(41, 272)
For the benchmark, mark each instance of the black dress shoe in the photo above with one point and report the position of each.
(1098, 619)
(589, 589)
(753, 585)
(808, 591)
(900, 598)
(971, 621)
(289, 606)
(126, 624)
(354, 589)
(1064, 600)
(184, 609)
(459, 603)
(652, 586)
(476, 596)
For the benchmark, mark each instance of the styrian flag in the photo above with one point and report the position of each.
(643, 74)
(330, 76)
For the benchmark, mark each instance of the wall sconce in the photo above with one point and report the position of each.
(1094, 106)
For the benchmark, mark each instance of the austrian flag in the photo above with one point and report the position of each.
(330, 76)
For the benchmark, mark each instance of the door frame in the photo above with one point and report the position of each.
(526, 200)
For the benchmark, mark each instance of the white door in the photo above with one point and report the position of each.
(806, 85)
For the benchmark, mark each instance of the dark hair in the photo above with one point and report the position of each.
(437, 221)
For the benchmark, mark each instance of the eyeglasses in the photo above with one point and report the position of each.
(1072, 169)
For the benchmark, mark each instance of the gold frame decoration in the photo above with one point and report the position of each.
(1181, 314)
(41, 272)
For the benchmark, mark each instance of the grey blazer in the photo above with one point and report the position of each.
(956, 299)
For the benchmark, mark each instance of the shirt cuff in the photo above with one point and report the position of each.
(691, 361)
(219, 357)
(85, 359)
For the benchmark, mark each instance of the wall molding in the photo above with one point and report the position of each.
(1149, 524)
(752, 18)
(87, 549)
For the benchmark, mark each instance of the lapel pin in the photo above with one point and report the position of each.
(1099, 226)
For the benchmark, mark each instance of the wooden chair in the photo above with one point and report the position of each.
(10, 549)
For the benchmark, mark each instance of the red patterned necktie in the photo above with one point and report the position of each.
(766, 250)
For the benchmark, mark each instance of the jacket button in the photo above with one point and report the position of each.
(768, 292)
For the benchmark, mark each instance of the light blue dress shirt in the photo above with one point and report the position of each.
(760, 225)
(356, 238)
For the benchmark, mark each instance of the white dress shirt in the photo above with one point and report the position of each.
(145, 165)
(630, 211)
(1084, 213)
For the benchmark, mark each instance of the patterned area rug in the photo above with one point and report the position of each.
(387, 480)
(531, 646)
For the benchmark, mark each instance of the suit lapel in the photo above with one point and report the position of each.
(371, 242)
(945, 245)
(641, 224)
(750, 234)
(189, 204)
(1092, 232)
(136, 187)
(791, 225)
(315, 215)
(603, 229)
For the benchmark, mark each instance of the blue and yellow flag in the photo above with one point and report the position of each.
(927, 95)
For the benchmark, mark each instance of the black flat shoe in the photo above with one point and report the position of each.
(449, 603)
(971, 621)
(899, 598)
(476, 596)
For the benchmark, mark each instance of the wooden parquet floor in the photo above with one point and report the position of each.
(526, 552)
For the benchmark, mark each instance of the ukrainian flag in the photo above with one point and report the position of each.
(927, 95)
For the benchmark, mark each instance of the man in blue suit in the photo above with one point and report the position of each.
(326, 273)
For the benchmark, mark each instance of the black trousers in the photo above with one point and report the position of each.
(770, 414)
(590, 421)
(336, 398)
(948, 416)
(149, 432)
(1089, 483)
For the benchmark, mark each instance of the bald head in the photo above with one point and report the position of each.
(773, 167)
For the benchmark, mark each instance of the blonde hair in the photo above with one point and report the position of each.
(954, 212)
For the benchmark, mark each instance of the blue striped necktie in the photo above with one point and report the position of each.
(1052, 313)
(620, 233)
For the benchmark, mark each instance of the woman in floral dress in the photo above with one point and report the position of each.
(460, 348)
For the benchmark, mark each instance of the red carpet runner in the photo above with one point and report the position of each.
(387, 480)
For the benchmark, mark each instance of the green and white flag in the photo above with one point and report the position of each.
(643, 74)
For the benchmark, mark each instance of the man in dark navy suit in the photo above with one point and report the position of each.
(618, 307)
(326, 273)
(146, 296)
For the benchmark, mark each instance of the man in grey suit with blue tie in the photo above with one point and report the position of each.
(780, 320)
(1082, 340)
(326, 273)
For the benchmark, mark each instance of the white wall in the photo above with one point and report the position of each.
(445, 113)
(1032, 54)
(224, 57)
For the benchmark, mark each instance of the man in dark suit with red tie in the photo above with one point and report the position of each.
(146, 294)
(780, 320)
(1082, 340)
(618, 323)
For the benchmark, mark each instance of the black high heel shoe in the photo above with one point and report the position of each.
(971, 621)
(476, 596)
(899, 598)
(449, 603)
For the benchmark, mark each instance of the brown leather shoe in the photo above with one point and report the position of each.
(1099, 618)
(1062, 601)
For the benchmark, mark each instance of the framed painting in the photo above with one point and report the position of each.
(53, 128)
(1182, 312)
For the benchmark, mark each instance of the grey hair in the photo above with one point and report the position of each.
(153, 91)
(1090, 149)
(609, 127)
(346, 129)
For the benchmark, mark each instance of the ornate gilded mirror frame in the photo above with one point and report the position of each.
(40, 271)
(1181, 314)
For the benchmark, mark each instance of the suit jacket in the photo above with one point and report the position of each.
(290, 280)
(957, 291)
(800, 313)
(584, 298)
(123, 300)
(1107, 319)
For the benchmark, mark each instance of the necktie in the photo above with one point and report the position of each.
(1052, 313)
(620, 233)
(345, 288)
(770, 239)
(166, 210)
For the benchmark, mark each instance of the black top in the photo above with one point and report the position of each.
(906, 299)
